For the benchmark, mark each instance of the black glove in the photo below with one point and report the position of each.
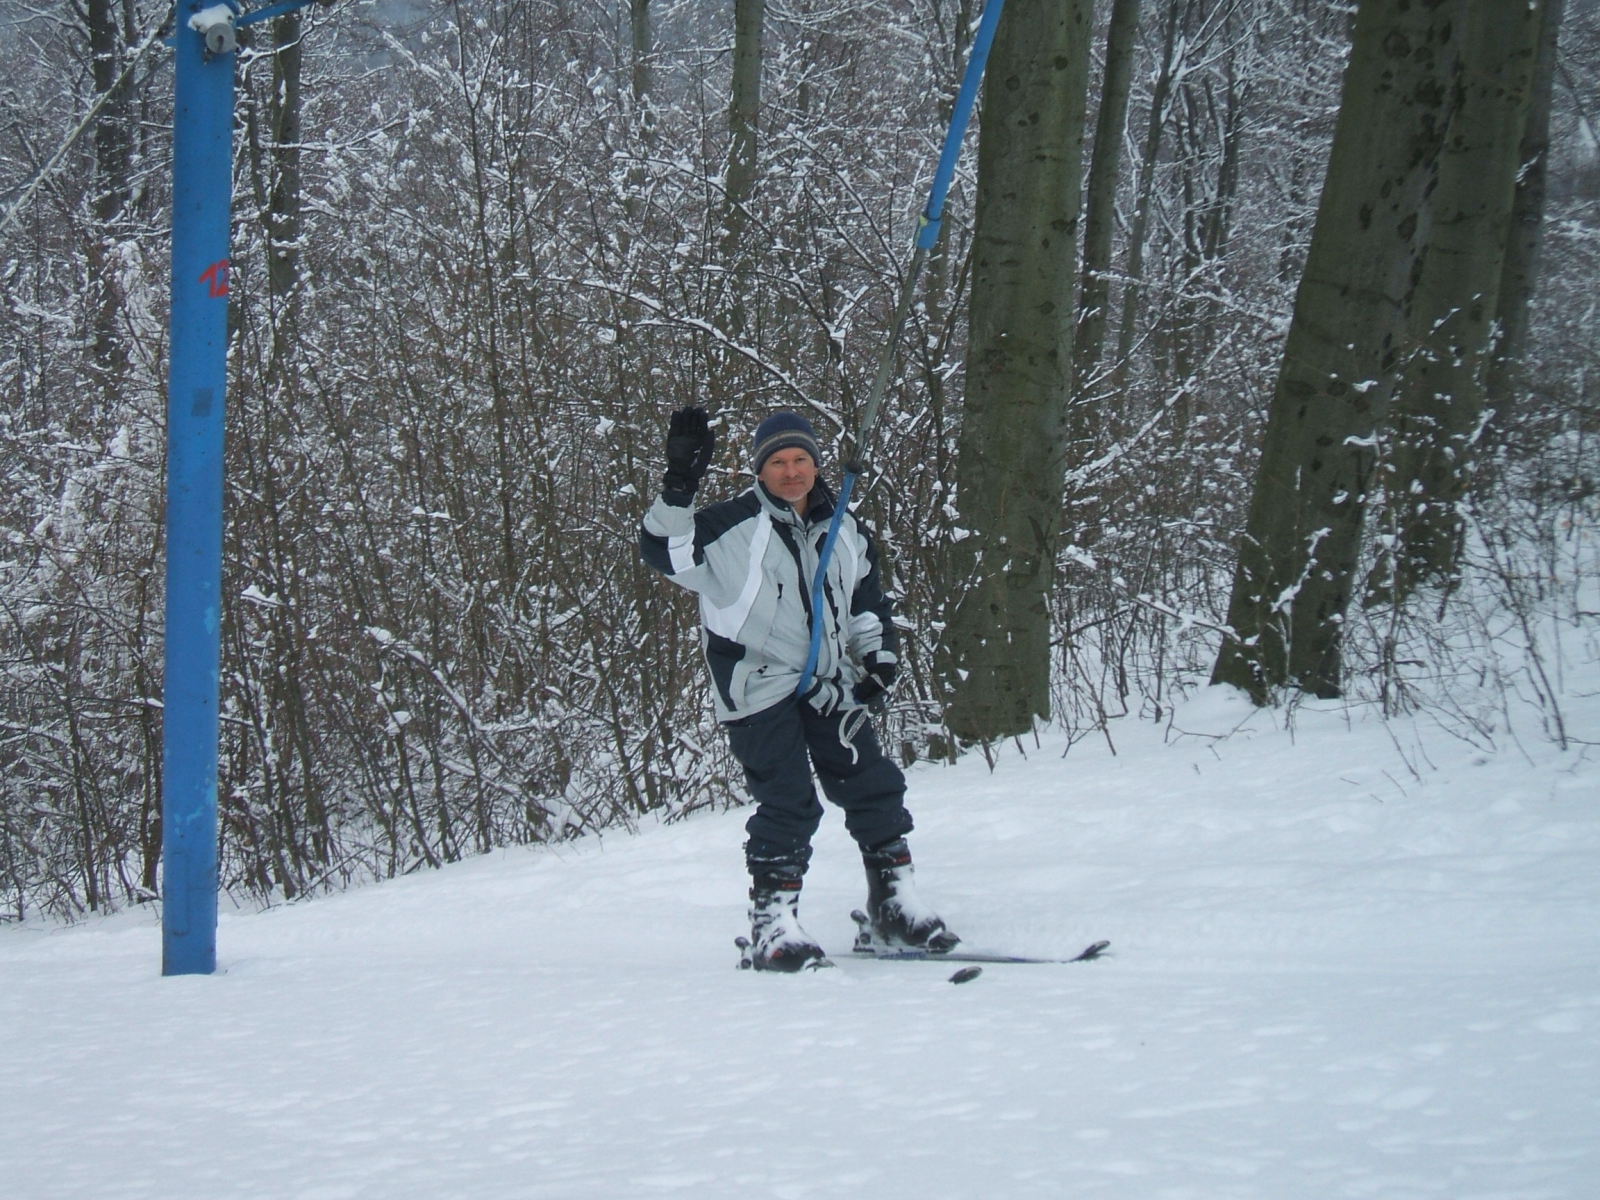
(690, 444)
(882, 669)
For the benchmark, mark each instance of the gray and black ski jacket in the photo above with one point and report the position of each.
(751, 561)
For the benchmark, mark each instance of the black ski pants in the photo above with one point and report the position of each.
(780, 746)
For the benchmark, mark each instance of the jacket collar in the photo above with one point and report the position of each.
(818, 509)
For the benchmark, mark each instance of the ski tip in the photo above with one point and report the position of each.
(1092, 952)
(966, 975)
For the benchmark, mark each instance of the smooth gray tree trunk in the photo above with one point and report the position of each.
(1293, 580)
(1099, 208)
(113, 184)
(285, 219)
(1011, 449)
(642, 88)
(744, 116)
(1439, 409)
(1172, 56)
(1520, 273)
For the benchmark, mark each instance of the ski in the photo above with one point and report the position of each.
(867, 946)
(861, 951)
(911, 954)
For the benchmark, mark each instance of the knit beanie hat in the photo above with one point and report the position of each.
(783, 431)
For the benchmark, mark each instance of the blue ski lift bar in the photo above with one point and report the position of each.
(927, 235)
(966, 98)
(276, 10)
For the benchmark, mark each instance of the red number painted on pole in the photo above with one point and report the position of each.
(217, 276)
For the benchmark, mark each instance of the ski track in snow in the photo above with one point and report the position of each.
(1330, 977)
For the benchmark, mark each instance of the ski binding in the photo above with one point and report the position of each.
(747, 960)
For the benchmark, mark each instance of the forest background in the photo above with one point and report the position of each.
(481, 250)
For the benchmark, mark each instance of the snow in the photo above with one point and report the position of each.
(1349, 959)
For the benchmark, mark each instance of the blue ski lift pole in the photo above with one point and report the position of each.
(206, 44)
(202, 181)
(927, 235)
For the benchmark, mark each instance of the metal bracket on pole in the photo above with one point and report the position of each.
(217, 26)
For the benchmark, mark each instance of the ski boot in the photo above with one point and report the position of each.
(895, 919)
(777, 942)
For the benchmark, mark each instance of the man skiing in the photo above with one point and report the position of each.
(751, 561)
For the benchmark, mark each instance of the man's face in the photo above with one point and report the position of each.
(789, 474)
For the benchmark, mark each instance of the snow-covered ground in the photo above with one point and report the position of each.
(1349, 959)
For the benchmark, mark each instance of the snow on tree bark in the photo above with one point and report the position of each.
(1297, 556)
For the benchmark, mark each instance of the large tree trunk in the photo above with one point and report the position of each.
(643, 48)
(1019, 369)
(642, 89)
(1520, 272)
(1292, 584)
(113, 183)
(1173, 56)
(1439, 408)
(1099, 208)
(284, 217)
(744, 114)
(739, 182)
